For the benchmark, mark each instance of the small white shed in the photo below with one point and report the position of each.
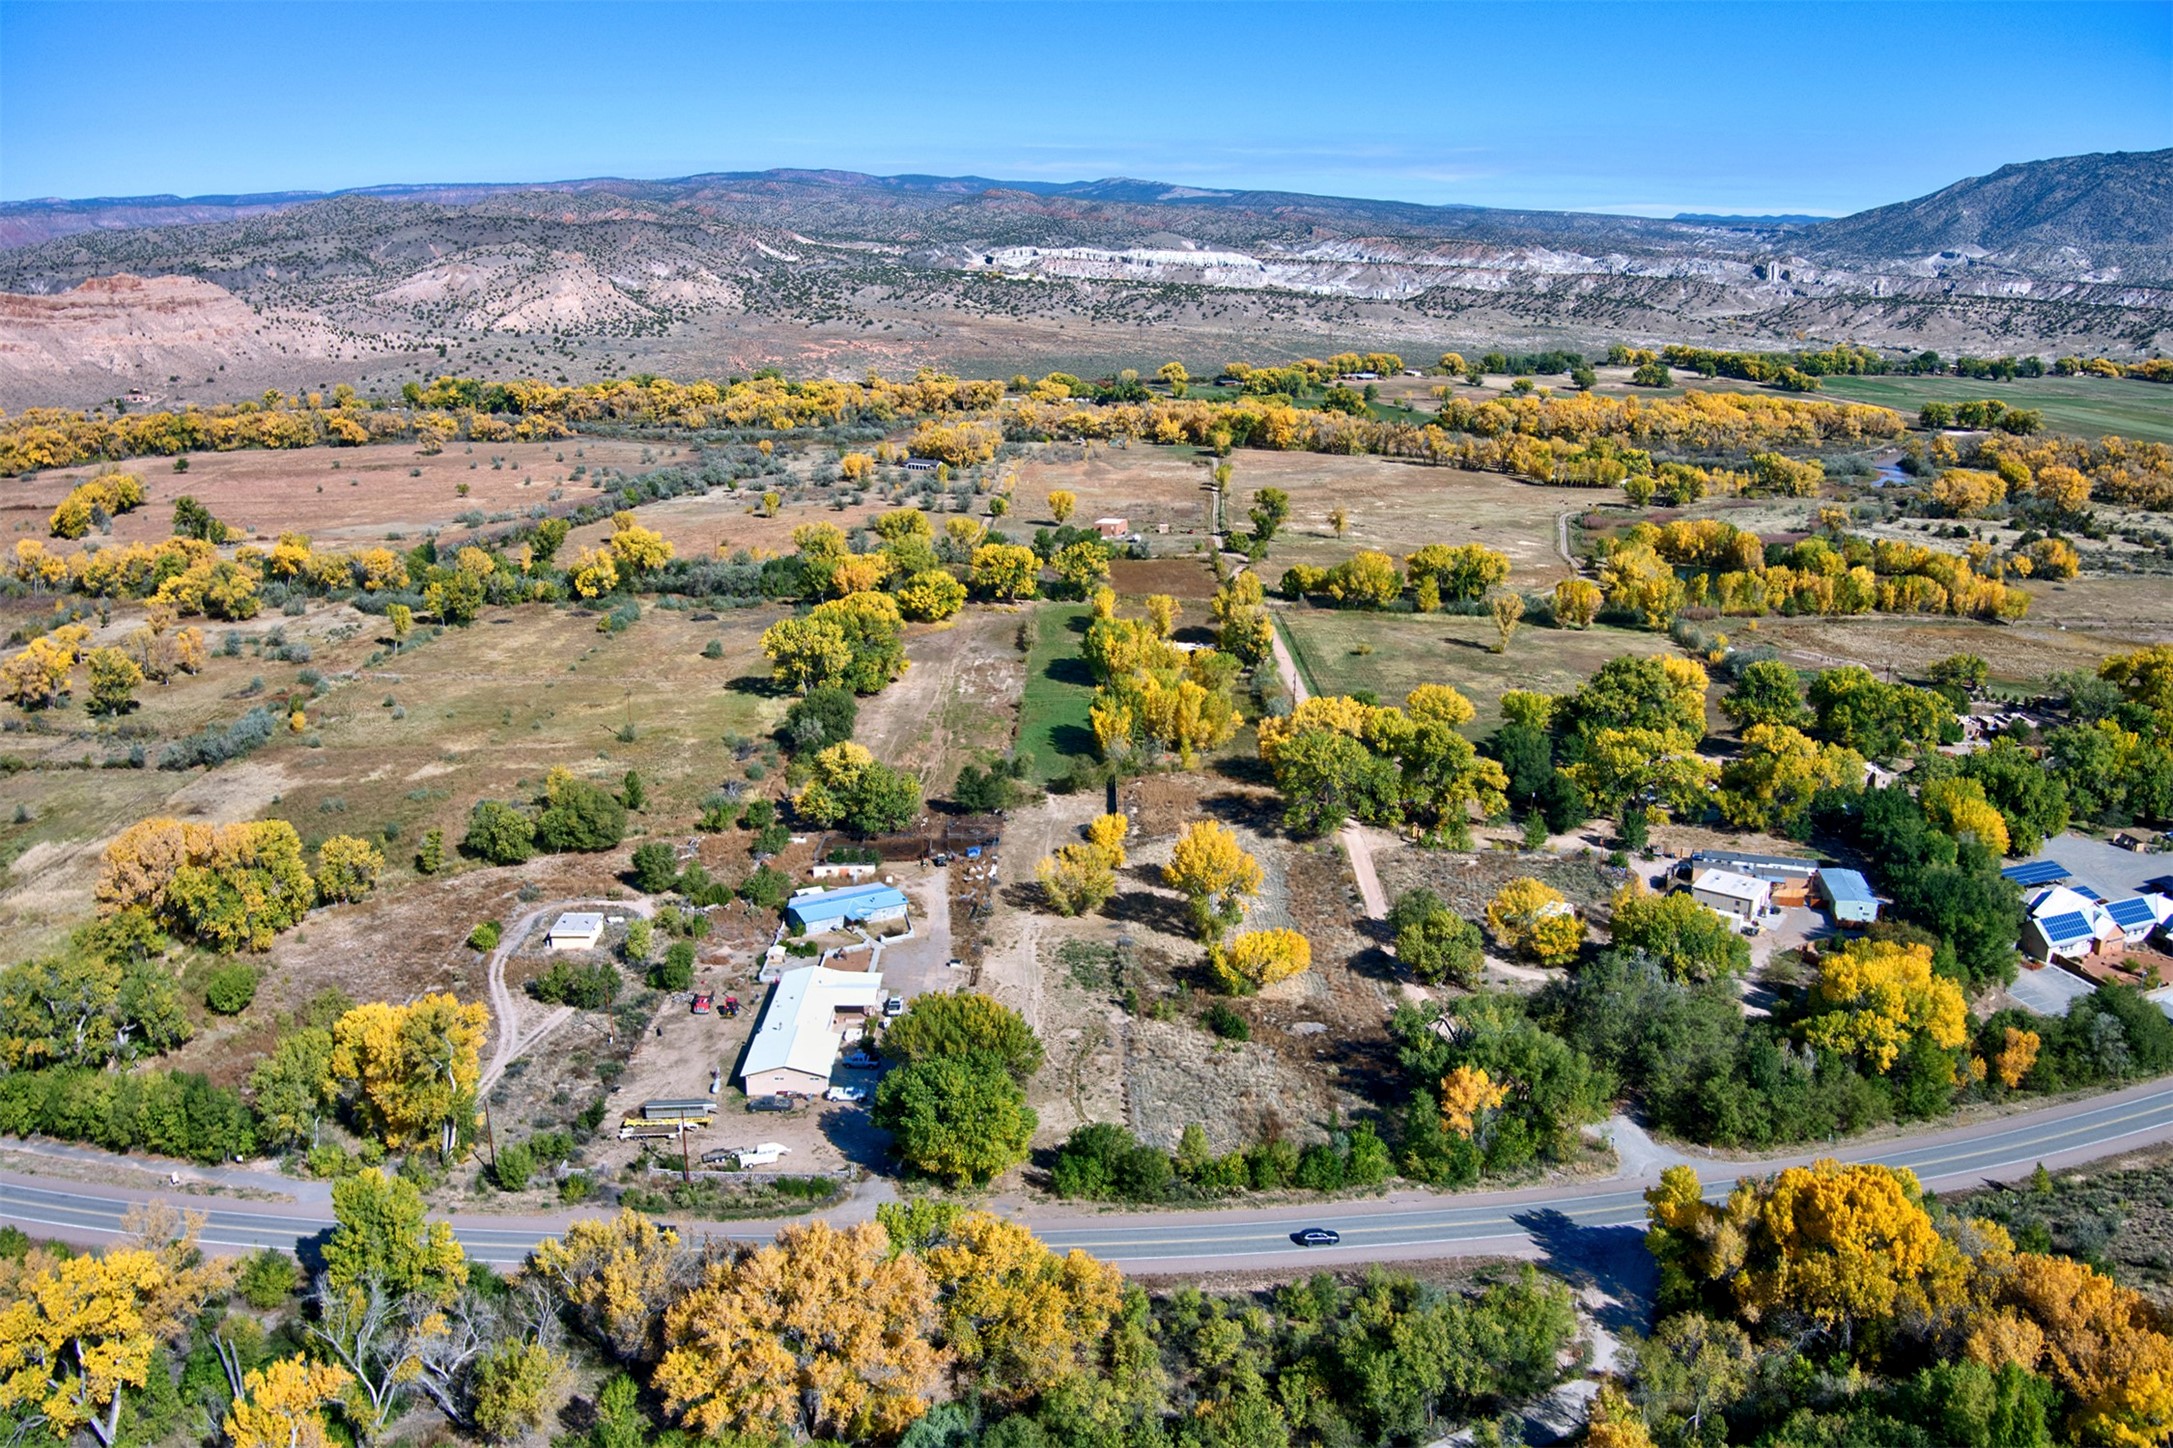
(576, 930)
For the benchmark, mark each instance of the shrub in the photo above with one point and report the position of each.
(766, 889)
(485, 936)
(268, 1278)
(1227, 1023)
(656, 867)
(676, 970)
(581, 817)
(172, 1113)
(589, 988)
(231, 988)
(824, 716)
(499, 834)
(1101, 1161)
(515, 1164)
(212, 745)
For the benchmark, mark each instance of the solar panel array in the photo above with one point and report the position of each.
(2059, 929)
(2128, 914)
(2035, 872)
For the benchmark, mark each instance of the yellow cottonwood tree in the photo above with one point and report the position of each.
(1876, 996)
(823, 1331)
(1005, 571)
(617, 1275)
(1061, 503)
(1260, 958)
(1467, 1094)
(347, 868)
(594, 573)
(1107, 833)
(279, 1405)
(1214, 874)
(1532, 918)
(76, 1335)
(1958, 806)
(414, 1067)
(1076, 880)
(931, 597)
(1576, 602)
(1023, 1317)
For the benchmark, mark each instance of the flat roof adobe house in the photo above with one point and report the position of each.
(815, 910)
(576, 930)
(796, 1045)
(1728, 893)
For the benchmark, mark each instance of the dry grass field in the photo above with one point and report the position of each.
(400, 744)
(342, 496)
(1391, 654)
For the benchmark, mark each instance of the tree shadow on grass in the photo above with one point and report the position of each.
(1069, 669)
(760, 686)
(1245, 769)
(1074, 741)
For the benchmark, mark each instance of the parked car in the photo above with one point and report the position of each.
(770, 1103)
(846, 1093)
(702, 1002)
(861, 1061)
(895, 1006)
(1317, 1237)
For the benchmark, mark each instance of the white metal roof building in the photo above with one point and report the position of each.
(796, 1044)
(576, 930)
(1731, 894)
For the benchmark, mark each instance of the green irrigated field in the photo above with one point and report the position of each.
(1053, 726)
(1408, 649)
(2081, 406)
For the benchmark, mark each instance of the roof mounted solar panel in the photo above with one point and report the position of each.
(2035, 872)
(2060, 929)
(2132, 912)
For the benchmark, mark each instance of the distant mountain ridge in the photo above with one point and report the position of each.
(839, 271)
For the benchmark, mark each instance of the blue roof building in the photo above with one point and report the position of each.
(1848, 895)
(816, 910)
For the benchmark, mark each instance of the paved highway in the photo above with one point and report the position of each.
(1533, 1221)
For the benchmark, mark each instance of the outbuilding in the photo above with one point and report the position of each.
(819, 910)
(1728, 893)
(1848, 895)
(795, 1046)
(576, 930)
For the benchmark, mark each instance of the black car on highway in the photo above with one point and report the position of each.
(1317, 1237)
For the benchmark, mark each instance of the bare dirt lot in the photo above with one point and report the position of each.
(1119, 997)
(958, 700)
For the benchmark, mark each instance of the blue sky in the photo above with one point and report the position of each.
(1643, 108)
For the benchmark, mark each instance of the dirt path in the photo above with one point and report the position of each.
(1561, 540)
(512, 1043)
